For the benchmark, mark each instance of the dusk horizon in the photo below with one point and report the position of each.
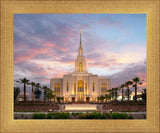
(46, 46)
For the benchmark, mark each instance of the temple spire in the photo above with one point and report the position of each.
(80, 37)
(80, 51)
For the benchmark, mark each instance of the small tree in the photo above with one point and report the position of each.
(107, 96)
(45, 92)
(98, 98)
(144, 94)
(16, 92)
(102, 98)
(109, 93)
(59, 99)
(50, 94)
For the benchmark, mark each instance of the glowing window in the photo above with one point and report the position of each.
(93, 86)
(74, 88)
(57, 88)
(80, 52)
(67, 87)
(80, 67)
(86, 88)
(103, 87)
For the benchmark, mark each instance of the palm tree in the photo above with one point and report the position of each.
(107, 96)
(144, 94)
(102, 98)
(16, 92)
(38, 87)
(50, 94)
(136, 81)
(45, 92)
(122, 87)
(33, 85)
(116, 93)
(127, 93)
(98, 98)
(25, 82)
(127, 84)
(37, 94)
(110, 93)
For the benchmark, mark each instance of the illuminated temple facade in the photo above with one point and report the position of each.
(80, 85)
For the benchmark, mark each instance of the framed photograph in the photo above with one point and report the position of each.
(80, 66)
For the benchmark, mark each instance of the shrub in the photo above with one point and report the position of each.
(108, 115)
(94, 115)
(49, 116)
(119, 116)
(22, 116)
(39, 116)
(62, 116)
(130, 117)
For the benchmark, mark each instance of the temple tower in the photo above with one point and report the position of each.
(80, 63)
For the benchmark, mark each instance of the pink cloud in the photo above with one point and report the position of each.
(50, 45)
(30, 54)
(55, 46)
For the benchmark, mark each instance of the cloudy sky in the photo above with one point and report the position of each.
(46, 46)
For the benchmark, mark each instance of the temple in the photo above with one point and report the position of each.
(80, 86)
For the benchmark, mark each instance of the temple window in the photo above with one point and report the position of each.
(103, 88)
(86, 88)
(80, 67)
(74, 88)
(80, 52)
(57, 88)
(93, 86)
(67, 87)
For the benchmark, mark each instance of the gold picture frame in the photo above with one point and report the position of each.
(11, 7)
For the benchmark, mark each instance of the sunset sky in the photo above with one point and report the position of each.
(46, 46)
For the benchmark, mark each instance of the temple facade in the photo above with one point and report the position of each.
(80, 85)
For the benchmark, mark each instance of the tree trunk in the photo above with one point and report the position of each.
(136, 92)
(32, 94)
(128, 94)
(24, 92)
(122, 94)
(38, 94)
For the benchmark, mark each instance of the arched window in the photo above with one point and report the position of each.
(93, 87)
(57, 88)
(80, 52)
(74, 88)
(103, 88)
(80, 67)
(86, 88)
(67, 87)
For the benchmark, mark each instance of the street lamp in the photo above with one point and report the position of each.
(110, 113)
(50, 110)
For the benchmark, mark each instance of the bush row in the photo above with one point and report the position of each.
(94, 115)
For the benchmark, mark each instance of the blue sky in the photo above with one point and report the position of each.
(46, 45)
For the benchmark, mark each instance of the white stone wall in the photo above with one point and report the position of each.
(87, 78)
(54, 81)
(104, 81)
